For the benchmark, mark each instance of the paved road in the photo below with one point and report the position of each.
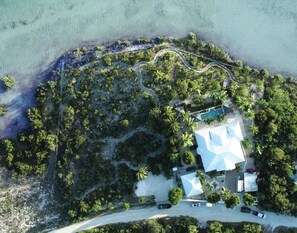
(203, 214)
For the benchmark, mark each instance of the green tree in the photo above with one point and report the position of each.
(192, 36)
(248, 199)
(261, 117)
(213, 197)
(189, 121)
(277, 154)
(175, 127)
(3, 111)
(187, 139)
(225, 193)
(96, 207)
(264, 73)
(232, 200)
(84, 207)
(107, 60)
(142, 173)
(271, 128)
(72, 213)
(254, 130)
(174, 157)
(192, 229)
(243, 91)
(175, 195)
(127, 206)
(252, 228)
(246, 143)
(124, 123)
(169, 113)
(35, 117)
(69, 117)
(152, 226)
(201, 177)
(8, 145)
(8, 81)
(188, 157)
(52, 141)
(215, 227)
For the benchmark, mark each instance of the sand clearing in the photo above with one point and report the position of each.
(155, 185)
(34, 34)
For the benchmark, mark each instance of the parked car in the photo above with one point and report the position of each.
(209, 205)
(195, 204)
(164, 206)
(259, 214)
(245, 209)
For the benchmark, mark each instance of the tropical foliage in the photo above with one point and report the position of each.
(175, 195)
(8, 81)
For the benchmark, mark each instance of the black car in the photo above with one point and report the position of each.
(164, 206)
(245, 209)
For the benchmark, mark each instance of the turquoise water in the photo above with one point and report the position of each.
(33, 33)
(212, 114)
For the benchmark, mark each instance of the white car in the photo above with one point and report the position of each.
(259, 214)
(195, 204)
(209, 205)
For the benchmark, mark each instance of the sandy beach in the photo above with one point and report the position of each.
(35, 33)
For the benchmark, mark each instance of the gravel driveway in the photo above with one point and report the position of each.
(154, 185)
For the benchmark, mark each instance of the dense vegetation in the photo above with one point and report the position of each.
(276, 119)
(108, 117)
(181, 224)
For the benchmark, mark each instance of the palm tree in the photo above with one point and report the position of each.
(189, 121)
(175, 126)
(254, 129)
(201, 177)
(169, 113)
(142, 173)
(223, 95)
(186, 117)
(250, 114)
(225, 193)
(187, 139)
(192, 124)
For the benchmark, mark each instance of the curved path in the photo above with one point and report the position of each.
(177, 53)
(203, 214)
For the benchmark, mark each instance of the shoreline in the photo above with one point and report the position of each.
(11, 125)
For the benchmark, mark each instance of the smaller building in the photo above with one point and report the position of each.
(250, 182)
(192, 185)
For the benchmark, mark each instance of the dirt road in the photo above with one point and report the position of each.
(203, 214)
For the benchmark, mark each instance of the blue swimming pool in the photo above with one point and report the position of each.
(213, 113)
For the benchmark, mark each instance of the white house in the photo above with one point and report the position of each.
(192, 185)
(220, 147)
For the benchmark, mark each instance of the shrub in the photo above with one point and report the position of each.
(213, 197)
(3, 111)
(248, 199)
(127, 206)
(175, 195)
(188, 157)
(232, 200)
(8, 81)
(246, 143)
(107, 60)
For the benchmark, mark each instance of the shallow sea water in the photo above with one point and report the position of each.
(33, 33)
